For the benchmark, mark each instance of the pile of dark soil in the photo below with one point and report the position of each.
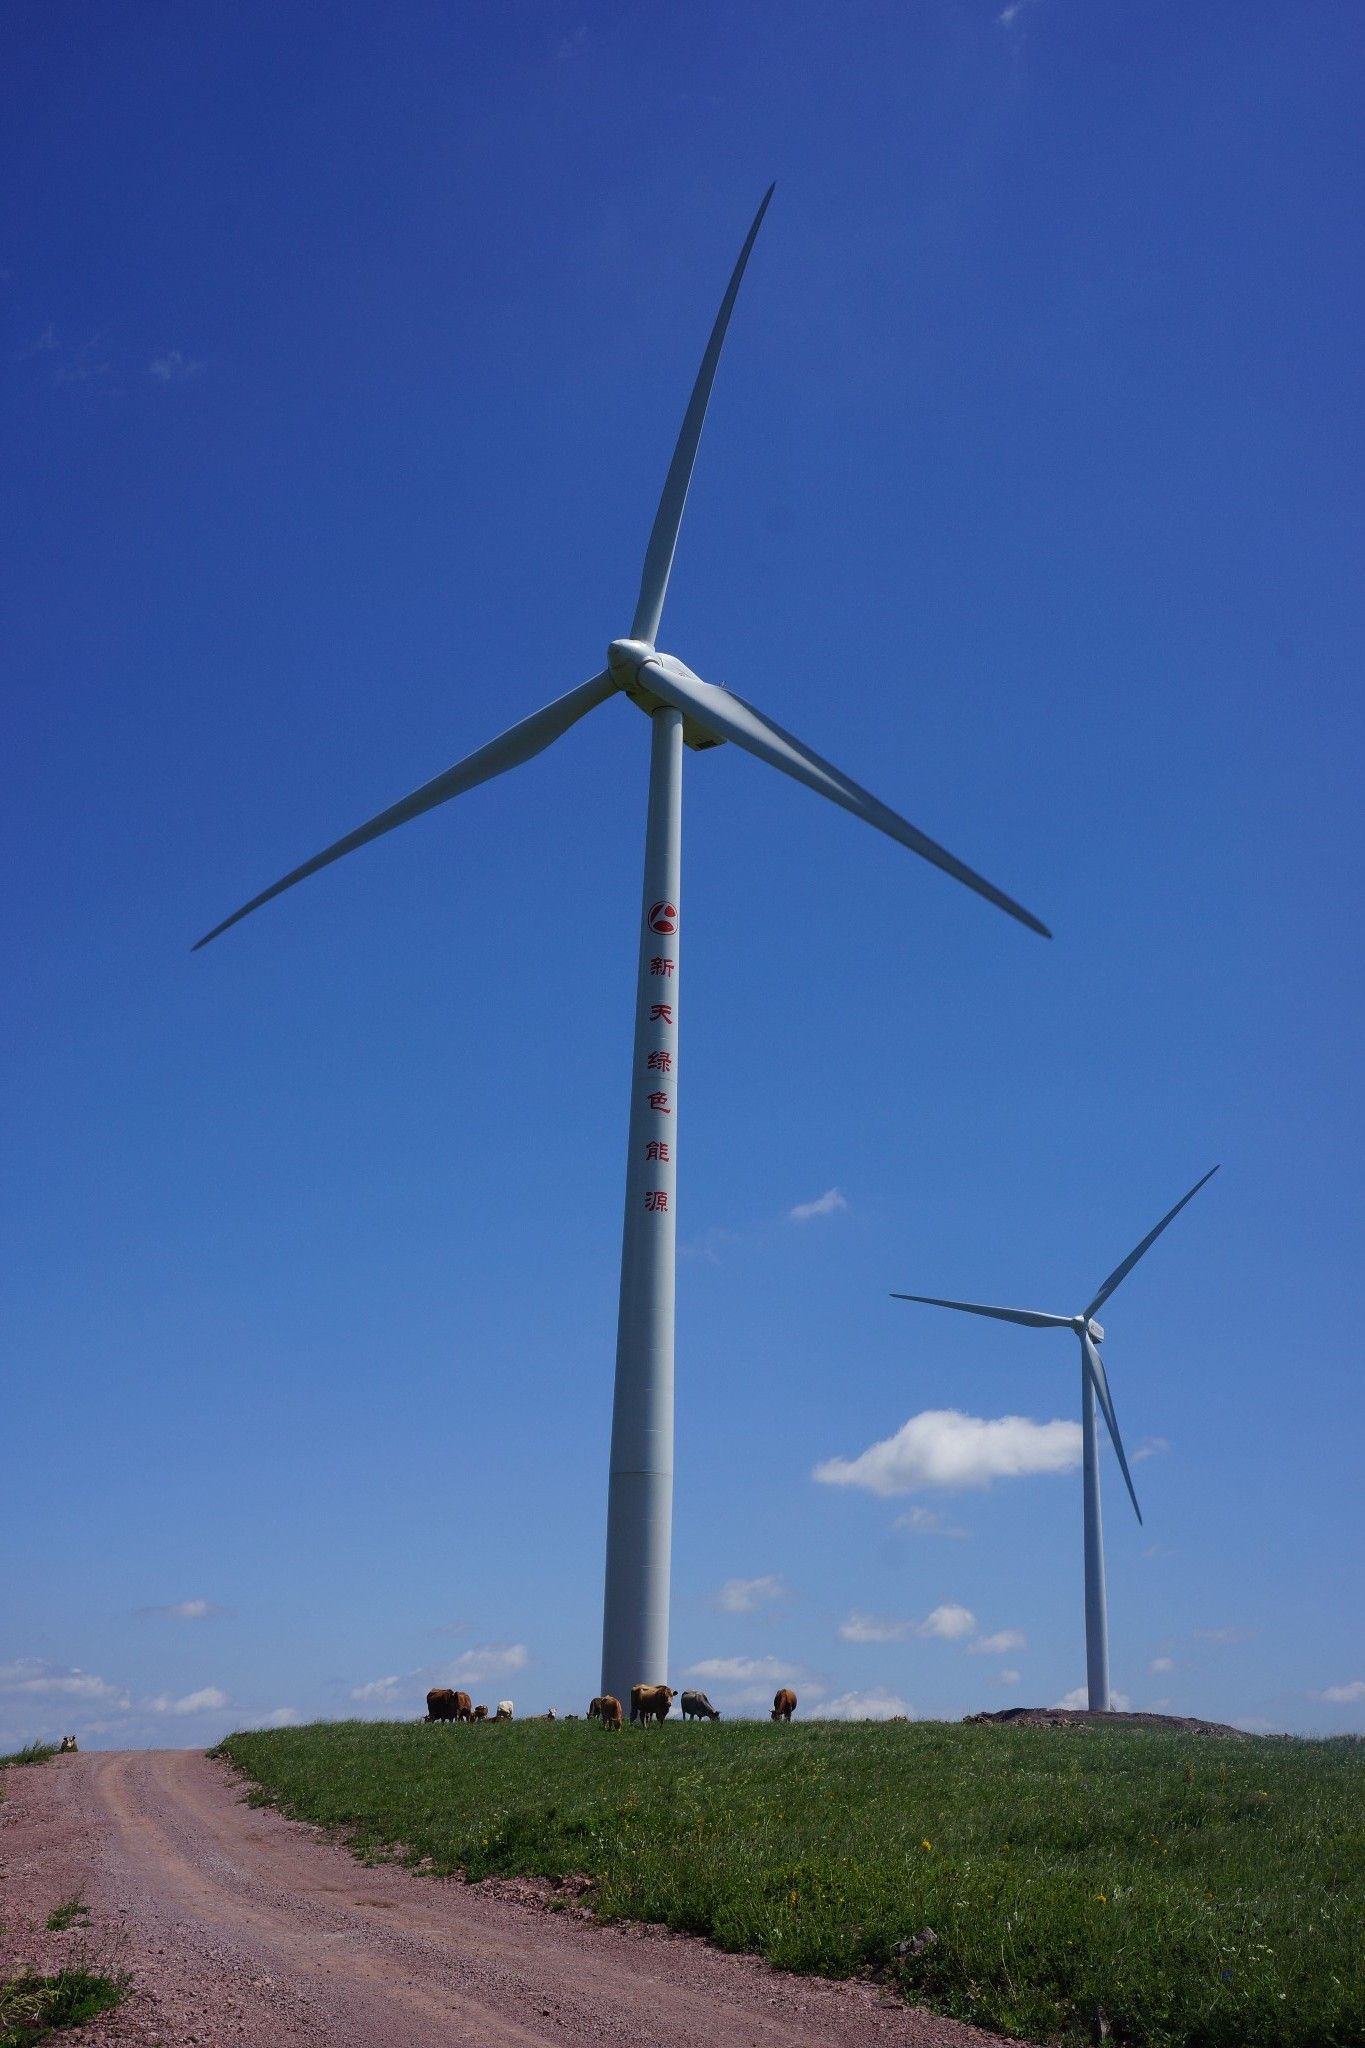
(1081, 1717)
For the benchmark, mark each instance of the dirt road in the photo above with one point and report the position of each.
(245, 1930)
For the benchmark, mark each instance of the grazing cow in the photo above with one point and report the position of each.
(68, 1746)
(696, 1707)
(784, 1704)
(607, 1710)
(445, 1705)
(595, 1707)
(504, 1712)
(480, 1713)
(651, 1702)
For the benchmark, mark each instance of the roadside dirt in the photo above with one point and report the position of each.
(243, 1930)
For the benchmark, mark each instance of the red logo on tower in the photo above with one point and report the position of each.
(663, 917)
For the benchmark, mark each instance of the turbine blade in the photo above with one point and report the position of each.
(520, 743)
(1099, 1380)
(1122, 1272)
(729, 717)
(1032, 1318)
(664, 537)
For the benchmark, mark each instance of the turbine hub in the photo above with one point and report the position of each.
(626, 662)
(625, 658)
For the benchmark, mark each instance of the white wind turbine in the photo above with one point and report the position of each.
(1094, 1387)
(682, 709)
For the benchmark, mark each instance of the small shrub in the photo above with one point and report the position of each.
(32, 2006)
(66, 1915)
(31, 1753)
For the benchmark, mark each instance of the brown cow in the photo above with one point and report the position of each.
(607, 1710)
(445, 1705)
(651, 1702)
(480, 1714)
(784, 1704)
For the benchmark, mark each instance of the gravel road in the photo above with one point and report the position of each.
(246, 1930)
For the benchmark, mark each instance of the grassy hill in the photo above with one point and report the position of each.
(1199, 1892)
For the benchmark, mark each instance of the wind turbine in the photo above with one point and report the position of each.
(1094, 1387)
(683, 710)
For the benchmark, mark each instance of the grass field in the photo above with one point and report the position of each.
(1200, 1892)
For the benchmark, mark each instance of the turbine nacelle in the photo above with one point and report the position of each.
(1087, 1326)
(628, 665)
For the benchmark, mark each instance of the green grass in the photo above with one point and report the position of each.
(31, 2006)
(31, 1753)
(66, 1915)
(1204, 1893)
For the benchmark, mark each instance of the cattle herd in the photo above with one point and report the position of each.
(647, 1703)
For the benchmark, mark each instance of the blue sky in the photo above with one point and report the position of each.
(342, 361)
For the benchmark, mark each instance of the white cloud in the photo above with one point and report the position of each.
(877, 1704)
(1007, 1677)
(710, 1245)
(874, 1628)
(996, 1646)
(1078, 1701)
(209, 1699)
(1345, 1695)
(36, 1678)
(751, 1681)
(173, 367)
(471, 1667)
(943, 1447)
(1162, 1664)
(1150, 1447)
(926, 1522)
(823, 1205)
(185, 1610)
(385, 1689)
(948, 1623)
(488, 1660)
(737, 1669)
(746, 1596)
(281, 1717)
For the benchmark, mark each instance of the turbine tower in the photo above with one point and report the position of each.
(683, 711)
(1094, 1387)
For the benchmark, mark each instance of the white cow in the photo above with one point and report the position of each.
(504, 1712)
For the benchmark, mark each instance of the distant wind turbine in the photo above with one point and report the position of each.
(682, 710)
(1094, 1387)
